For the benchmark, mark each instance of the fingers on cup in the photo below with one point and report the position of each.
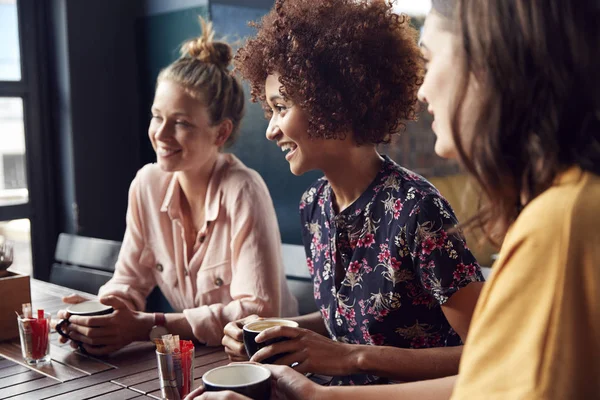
(275, 349)
(277, 332)
(233, 347)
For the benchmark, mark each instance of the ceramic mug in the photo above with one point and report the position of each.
(252, 329)
(250, 380)
(88, 309)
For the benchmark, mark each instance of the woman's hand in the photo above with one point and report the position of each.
(63, 314)
(290, 385)
(312, 351)
(104, 334)
(233, 338)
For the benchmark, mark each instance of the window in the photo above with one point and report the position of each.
(24, 196)
(13, 175)
(10, 55)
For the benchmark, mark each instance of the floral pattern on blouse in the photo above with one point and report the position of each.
(397, 263)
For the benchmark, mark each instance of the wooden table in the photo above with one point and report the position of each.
(130, 373)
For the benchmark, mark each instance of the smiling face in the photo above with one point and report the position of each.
(181, 131)
(288, 127)
(444, 63)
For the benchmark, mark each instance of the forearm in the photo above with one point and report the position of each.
(437, 389)
(313, 321)
(176, 324)
(406, 364)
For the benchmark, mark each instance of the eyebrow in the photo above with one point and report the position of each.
(275, 97)
(423, 45)
(175, 114)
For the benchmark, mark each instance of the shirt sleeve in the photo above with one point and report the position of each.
(130, 281)
(441, 258)
(257, 267)
(535, 331)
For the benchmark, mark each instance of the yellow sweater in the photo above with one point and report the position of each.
(535, 333)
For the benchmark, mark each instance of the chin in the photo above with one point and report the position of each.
(298, 169)
(445, 149)
(167, 166)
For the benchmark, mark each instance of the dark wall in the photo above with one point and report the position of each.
(96, 113)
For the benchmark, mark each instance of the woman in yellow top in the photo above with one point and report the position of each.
(514, 86)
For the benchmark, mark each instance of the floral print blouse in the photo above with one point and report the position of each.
(383, 267)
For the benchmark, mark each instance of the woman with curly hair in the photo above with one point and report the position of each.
(515, 91)
(395, 283)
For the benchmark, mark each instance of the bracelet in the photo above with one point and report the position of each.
(160, 319)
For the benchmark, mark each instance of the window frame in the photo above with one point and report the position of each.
(33, 90)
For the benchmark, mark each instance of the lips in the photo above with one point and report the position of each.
(166, 152)
(290, 148)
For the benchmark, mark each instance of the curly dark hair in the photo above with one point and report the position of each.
(352, 66)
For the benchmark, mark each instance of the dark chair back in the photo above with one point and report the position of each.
(84, 263)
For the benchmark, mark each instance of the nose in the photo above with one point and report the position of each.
(421, 94)
(273, 129)
(162, 132)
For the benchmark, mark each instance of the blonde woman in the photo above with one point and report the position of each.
(200, 224)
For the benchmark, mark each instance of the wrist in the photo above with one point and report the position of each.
(324, 392)
(359, 360)
(145, 323)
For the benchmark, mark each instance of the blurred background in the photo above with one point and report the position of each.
(76, 82)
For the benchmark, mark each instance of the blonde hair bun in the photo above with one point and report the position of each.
(205, 49)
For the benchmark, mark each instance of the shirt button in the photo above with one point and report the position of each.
(202, 237)
(159, 267)
(219, 282)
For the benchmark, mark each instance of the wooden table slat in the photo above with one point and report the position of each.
(121, 394)
(101, 377)
(78, 361)
(49, 305)
(138, 351)
(41, 295)
(89, 392)
(54, 369)
(209, 359)
(5, 363)
(155, 395)
(19, 378)
(135, 379)
(13, 370)
(44, 288)
(201, 350)
(27, 387)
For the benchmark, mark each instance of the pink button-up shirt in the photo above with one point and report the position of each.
(236, 268)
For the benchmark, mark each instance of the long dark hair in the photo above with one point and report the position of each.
(540, 110)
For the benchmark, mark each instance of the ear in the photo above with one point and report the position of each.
(224, 130)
